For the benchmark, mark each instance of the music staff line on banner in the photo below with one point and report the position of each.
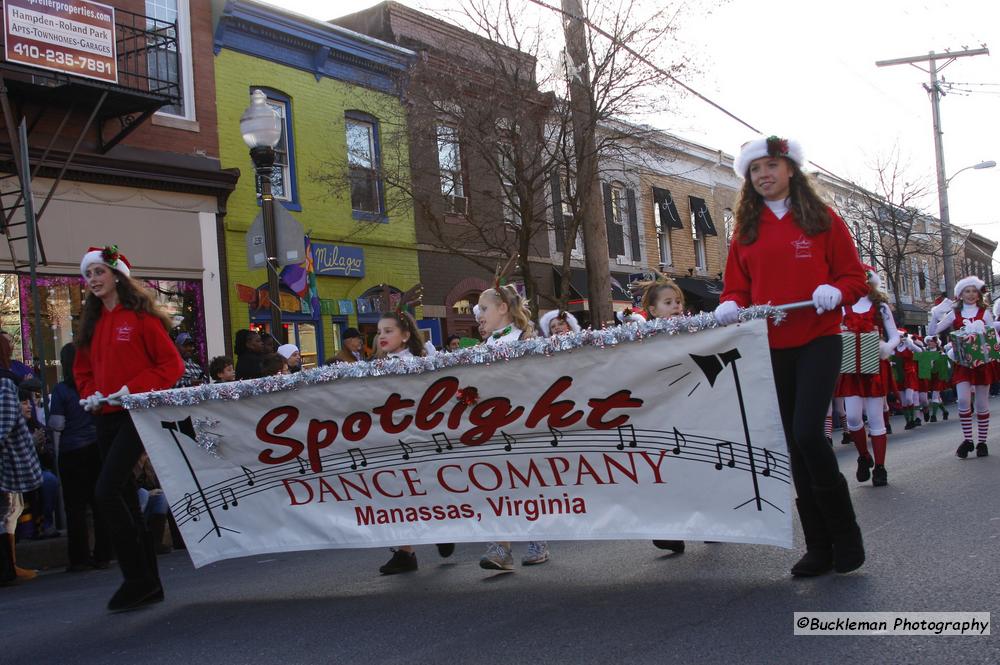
(722, 454)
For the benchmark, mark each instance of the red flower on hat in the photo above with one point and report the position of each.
(777, 147)
(468, 396)
(110, 255)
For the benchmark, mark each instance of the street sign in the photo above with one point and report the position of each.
(291, 240)
(70, 36)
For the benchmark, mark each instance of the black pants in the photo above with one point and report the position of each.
(805, 378)
(79, 470)
(117, 491)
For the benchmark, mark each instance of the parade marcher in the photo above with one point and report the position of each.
(789, 246)
(292, 356)
(969, 309)
(662, 298)
(907, 390)
(79, 468)
(249, 351)
(399, 337)
(504, 314)
(936, 384)
(863, 394)
(556, 322)
(123, 349)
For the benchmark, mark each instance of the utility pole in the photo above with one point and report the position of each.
(934, 90)
(595, 232)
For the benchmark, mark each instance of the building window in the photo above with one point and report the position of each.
(172, 63)
(662, 235)
(619, 212)
(509, 198)
(283, 172)
(699, 245)
(363, 161)
(450, 163)
(729, 223)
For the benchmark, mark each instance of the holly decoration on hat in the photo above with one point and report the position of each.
(777, 146)
(110, 255)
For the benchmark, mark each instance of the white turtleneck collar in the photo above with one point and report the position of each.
(403, 353)
(779, 208)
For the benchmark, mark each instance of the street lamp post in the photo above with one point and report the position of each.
(261, 129)
(949, 269)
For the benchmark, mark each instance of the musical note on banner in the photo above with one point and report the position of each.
(249, 474)
(679, 441)
(407, 449)
(191, 509)
(768, 460)
(302, 466)
(509, 439)
(621, 437)
(556, 435)
(718, 451)
(354, 462)
(232, 494)
(438, 438)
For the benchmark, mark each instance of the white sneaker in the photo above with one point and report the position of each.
(497, 557)
(538, 552)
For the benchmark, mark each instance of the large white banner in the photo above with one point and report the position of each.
(670, 437)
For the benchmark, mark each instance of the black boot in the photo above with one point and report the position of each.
(445, 550)
(982, 450)
(927, 415)
(845, 440)
(838, 511)
(944, 413)
(879, 476)
(818, 558)
(401, 562)
(933, 418)
(864, 468)
(672, 545)
(140, 587)
(157, 525)
(888, 426)
(8, 574)
(964, 449)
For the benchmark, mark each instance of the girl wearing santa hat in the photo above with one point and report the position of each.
(505, 315)
(969, 309)
(123, 348)
(789, 246)
(910, 385)
(935, 384)
(556, 322)
(863, 393)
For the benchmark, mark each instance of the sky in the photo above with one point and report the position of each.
(807, 70)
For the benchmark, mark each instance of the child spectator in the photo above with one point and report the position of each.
(221, 369)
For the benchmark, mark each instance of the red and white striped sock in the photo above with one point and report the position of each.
(966, 418)
(828, 427)
(983, 420)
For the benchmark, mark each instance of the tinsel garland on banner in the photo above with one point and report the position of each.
(476, 355)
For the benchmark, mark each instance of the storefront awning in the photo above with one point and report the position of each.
(580, 292)
(705, 290)
(667, 210)
(702, 217)
(913, 315)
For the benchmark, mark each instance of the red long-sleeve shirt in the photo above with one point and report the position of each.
(785, 265)
(128, 348)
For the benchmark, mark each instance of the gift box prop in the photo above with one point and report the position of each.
(860, 353)
(975, 345)
(932, 365)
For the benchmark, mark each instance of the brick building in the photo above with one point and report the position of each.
(123, 150)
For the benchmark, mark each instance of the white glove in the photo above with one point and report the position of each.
(942, 307)
(947, 320)
(885, 350)
(949, 351)
(92, 403)
(727, 312)
(115, 399)
(826, 297)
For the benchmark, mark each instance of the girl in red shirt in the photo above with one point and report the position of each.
(969, 308)
(124, 348)
(789, 246)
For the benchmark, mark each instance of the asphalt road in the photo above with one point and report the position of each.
(932, 537)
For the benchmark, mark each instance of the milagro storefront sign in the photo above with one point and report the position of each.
(70, 36)
(338, 260)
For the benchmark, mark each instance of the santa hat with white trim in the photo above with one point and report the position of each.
(770, 146)
(971, 280)
(551, 315)
(109, 256)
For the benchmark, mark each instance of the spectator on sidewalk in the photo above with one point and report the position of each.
(249, 351)
(42, 501)
(353, 349)
(221, 369)
(194, 373)
(79, 467)
(292, 357)
(20, 471)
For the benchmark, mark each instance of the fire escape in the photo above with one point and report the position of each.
(148, 65)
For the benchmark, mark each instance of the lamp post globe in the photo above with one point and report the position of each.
(260, 124)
